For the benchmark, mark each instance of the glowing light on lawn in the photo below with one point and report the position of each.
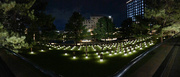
(115, 53)
(73, 48)
(74, 57)
(93, 48)
(42, 50)
(102, 53)
(80, 48)
(140, 48)
(132, 48)
(134, 51)
(49, 48)
(110, 54)
(101, 60)
(125, 54)
(86, 57)
(98, 55)
(32, 52)
(65, 54)
(129, 52)
(100, 47)
(67, 48)
(107, 52)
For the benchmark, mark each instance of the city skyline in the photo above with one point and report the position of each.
(62, 10)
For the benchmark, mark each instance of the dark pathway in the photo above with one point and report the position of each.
(173, 65)
(161, 62)
(4, 70)
(12, 66)
(175, 70)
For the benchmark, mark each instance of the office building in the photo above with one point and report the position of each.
(134, 8)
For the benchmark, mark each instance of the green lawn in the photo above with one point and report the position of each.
(55, 60)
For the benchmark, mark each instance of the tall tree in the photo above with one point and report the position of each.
(165, 13)
(9, 34)
(104, 29)
(74, 27)
(18, 17)
(126, 28)
(140, 27)
(43, 23)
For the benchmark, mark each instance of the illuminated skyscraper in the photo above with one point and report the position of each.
(134, 8)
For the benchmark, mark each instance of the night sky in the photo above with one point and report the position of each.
(63, 9)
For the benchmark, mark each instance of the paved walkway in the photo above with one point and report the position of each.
(149, 68)
(174, 63)
(18, 67)
(4, 70)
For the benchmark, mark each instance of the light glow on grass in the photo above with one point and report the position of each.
(125, 54)
(73, 48)
(58, 48)
(102, 52)
(115, 53)
(101, 60)
(42, 50)
(65, 54)
(67, 48)
(140, 48)
(74, 57)
(110, 54)
(98, 55)
(50, 49)
(80, 48)
(32, 53)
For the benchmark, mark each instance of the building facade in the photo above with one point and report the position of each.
(134, 8)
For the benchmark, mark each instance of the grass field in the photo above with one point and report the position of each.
(53, 58)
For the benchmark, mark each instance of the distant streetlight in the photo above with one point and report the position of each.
(110, 17)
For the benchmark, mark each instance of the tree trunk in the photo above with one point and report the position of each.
(75, 43)
(86, 48)
(161, 37)
(162, 31)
